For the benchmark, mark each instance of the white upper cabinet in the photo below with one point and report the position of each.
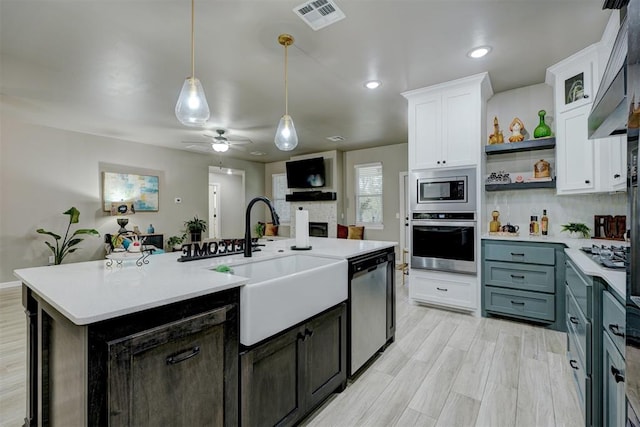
(446, 123)
(575, 79)
(575, 169)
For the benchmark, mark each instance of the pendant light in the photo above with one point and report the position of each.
(192, 108)
(286, 136)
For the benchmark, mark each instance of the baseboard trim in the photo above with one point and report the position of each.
(7, 285)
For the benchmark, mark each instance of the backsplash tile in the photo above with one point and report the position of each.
(517, 207)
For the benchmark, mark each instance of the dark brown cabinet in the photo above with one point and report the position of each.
(172, 365)
(284, 378)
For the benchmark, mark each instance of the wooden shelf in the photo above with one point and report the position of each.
(520, 186)
(515, 147)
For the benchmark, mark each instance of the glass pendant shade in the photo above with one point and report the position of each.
(192, 108)
(219, 147)
(286, 136)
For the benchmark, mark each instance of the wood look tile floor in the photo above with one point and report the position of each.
(445, 369)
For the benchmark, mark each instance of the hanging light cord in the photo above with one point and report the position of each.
(193, 45)
(286, 90)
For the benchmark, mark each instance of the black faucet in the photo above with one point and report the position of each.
(247, 225)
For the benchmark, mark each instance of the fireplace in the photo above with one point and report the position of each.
(318, 229)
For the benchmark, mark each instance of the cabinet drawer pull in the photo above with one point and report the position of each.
(515, 254)
(183, 355)
(585, 96)
(444, 161)
(617, 374)
(586, 181)
(615, 330)
(574, 364)
(517, 276)
(442, 289)
(574, 320)
(616, 176)
(517, 302)
(438, 161)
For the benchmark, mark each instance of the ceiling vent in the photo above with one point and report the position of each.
(336, 138)
(319, 13)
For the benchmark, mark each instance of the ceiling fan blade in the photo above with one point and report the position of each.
(196, 142)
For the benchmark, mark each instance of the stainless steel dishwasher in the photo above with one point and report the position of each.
(369, 292)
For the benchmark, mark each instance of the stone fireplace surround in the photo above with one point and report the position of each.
(318, 212)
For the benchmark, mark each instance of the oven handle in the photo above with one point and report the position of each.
(447, 223)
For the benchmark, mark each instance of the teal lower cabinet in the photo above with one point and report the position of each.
(613, 364)
(525, 281)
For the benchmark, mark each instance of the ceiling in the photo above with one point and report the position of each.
(114, 67)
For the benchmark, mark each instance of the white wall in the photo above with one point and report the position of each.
(45, 171)
(518, 206)
(394, 160)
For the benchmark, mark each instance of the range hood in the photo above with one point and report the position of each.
(608, 115)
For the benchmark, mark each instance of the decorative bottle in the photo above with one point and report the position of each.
(543, 130)
(534, 227)
(150, 230)
(544, 223)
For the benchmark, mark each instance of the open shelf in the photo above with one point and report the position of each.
(520, 186)
(515, 147)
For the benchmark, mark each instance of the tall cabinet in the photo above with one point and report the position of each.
(446, 128)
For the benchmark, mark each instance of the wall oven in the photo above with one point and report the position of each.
(444, 190)
(444, 241)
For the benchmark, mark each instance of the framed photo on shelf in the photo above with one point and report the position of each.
(142, 189)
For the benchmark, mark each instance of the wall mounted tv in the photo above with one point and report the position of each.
(307, 173)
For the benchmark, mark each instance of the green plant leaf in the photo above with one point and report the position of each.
(90, 231)
(51, 247)
(72, 250)
(54, 235)
(74, 215)
(73, 242)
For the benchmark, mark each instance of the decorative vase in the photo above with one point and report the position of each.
(543, 130)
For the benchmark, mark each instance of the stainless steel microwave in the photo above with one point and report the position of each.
(452, 190)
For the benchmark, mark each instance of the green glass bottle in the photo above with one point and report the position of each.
(543, 130)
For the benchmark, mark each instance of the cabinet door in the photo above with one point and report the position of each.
(326, 354)
(171, 375)
(617, 153)
(576, 82)
(613, 399)
(271, 380)
(575, 160)
(425, 132)
(461, 133)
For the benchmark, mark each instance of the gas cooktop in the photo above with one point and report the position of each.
(614, 257)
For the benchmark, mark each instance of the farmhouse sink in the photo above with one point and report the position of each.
(285, 291)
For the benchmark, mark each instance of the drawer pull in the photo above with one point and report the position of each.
(516, 276)
(517, 302)
(617, 374)
(615, 330)
(616, 176)
(515, 254)
(574, 320)
(183, 355)
(574, 364)
(442, 289)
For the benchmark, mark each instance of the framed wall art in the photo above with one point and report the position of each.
(142, 189)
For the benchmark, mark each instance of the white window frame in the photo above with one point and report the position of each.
(378, 225)
(281, 198)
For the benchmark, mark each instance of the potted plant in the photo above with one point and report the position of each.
(175, 242)
(195, 227)
(576, 229)
(69, 243)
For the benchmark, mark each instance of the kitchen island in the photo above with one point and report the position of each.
(101, 339)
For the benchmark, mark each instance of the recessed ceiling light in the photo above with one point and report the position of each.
(258, 153)
(479, 52)
(372, 84)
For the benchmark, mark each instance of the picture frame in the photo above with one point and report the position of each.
(144, 190)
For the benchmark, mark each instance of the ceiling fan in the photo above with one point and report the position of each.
(219, 143)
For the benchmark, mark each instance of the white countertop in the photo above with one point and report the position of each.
(615, 278)
(88, 292)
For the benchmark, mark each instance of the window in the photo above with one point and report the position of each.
(279, 190)
(369, 194)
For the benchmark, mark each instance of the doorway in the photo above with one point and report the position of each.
(226, 203)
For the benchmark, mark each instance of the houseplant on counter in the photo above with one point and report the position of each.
(195, 227)
(69, 243)
(576, 229)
